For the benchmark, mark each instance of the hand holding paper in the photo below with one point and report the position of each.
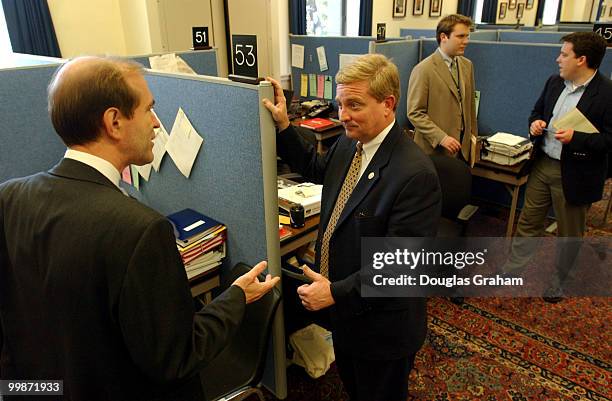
(575, 120)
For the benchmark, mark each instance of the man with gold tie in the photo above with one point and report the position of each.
(441, 98)
(376, 183)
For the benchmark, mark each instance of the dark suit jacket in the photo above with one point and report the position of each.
(93, 292)
(584, 161)
(402, 199)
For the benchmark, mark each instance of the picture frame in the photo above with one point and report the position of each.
(511, 4)
(529, 4)
(417, 7)
(520, 10)
(435, 8)
(502, 10)
(610, 13)
(399, 8)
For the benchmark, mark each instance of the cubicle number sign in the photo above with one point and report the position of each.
(605, 30)
(199, 37)
(244, 55)
(381, 32)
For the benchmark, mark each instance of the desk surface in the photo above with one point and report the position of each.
(300, 236)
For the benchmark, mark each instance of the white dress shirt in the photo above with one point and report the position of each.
(104, 167)
(369, 149)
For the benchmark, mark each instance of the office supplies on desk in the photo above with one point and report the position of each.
(307, 194)
(318, 124)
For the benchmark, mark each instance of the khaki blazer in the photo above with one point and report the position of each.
(433, 104)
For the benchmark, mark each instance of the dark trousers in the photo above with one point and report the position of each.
(374, 380)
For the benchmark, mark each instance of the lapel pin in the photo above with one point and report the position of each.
(370, 176)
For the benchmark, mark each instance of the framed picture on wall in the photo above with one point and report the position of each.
(529, 4)
(399, 8)
(435, 8)
(520, 10)
(511, 4)
(417, 7)
(502, 10)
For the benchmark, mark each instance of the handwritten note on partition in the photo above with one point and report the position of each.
(184, 143)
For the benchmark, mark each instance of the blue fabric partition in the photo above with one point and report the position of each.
(29, 143)
(418, 33)
(405, 54)
(334, 46)
(530, 37)
(203, 62)
(489, 35)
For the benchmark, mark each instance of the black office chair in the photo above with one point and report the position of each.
(456, 184)
(237, 371)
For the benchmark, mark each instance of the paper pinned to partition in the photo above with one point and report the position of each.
(297, 56)
(170, 63)
(346, 59)
(575, 120)
(184, 143)
(322, 58)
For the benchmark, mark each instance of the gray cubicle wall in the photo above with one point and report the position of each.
(530, 37)
(334, 46)
(417, 33)
(29, 143)
(203, 62)
(488, 35)
(405, 54)
(233, 178)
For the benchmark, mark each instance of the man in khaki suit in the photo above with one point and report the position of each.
(441, 103)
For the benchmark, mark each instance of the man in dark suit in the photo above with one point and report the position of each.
(570, 167)
(92, 288)
(376, 183)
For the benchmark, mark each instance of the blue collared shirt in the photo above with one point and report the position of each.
(568, 99)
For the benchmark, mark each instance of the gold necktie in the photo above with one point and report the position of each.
(345, 192)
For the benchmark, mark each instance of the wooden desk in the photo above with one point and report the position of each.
(320, 136)
(204, 283)
(506, 176)
(300, 236)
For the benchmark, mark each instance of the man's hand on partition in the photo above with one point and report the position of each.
(279, 107)
(451, 144)
(537, 127)
(252, 287)
(316, 295)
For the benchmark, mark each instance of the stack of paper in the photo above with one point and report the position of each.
(506, 149)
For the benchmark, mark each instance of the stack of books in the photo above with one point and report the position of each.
(200, 241)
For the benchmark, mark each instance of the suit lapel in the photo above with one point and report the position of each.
(75, 170)
(371, 174)
(443, 72)
(555, 93)
(589, 95)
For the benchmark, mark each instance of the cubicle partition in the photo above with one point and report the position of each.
(417, 33)
(233, 179)
(29, 143)
(530, 37)
(334, 46)
(405, 54)
(203, 62)
(488, 35)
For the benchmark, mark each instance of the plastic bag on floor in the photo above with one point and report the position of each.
(313, 349)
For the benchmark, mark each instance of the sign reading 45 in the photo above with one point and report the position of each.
(244, 55)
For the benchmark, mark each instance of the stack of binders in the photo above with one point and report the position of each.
(506, 149)
(200, 241)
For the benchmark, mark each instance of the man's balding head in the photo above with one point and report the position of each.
(83, 89)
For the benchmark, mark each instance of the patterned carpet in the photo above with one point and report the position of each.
(503, 349)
